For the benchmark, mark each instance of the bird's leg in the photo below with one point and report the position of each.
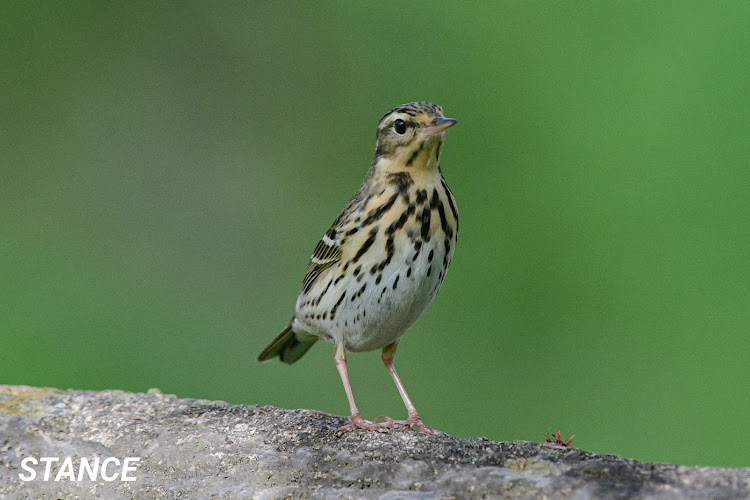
(389, 352)
(356, 422)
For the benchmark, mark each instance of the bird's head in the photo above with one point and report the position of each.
(411, 136)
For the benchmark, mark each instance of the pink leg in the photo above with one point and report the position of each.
(357, 422)
(389, 352)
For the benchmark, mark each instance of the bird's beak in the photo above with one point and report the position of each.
(440, 124)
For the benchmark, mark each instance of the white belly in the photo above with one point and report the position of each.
(380, 314)
(385, 312)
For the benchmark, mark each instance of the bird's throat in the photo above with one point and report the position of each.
(418, 156)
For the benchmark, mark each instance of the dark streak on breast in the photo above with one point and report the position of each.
(443, 221)
(399, 223)
(377, 213)
(367, 244)
(337, 304)
(450, 202)
(317, 301)
(426, 223)
(401, 180)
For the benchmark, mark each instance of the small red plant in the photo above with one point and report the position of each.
(556, 439)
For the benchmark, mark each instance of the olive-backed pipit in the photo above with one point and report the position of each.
(382, 262)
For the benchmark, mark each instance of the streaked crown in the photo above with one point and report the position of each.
(411, 136)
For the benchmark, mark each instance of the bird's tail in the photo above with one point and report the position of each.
(288, 346)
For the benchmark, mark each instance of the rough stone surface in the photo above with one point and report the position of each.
(209, 449)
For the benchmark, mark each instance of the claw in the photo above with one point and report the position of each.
(415, 422)
(357, 422)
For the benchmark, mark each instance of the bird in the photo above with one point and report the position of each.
(384, 258)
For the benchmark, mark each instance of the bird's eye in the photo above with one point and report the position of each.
(399, 126)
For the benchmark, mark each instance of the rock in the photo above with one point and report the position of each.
(192, 448)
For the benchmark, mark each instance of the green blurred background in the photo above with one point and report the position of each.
(167, 169)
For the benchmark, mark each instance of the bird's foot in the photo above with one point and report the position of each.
(357, 422)
(410, 423)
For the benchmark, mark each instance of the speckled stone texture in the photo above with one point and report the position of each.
(209, 449)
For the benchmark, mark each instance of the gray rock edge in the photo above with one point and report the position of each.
(190, 448)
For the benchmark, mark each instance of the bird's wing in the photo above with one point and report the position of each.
(326, 254)
(329, 251)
